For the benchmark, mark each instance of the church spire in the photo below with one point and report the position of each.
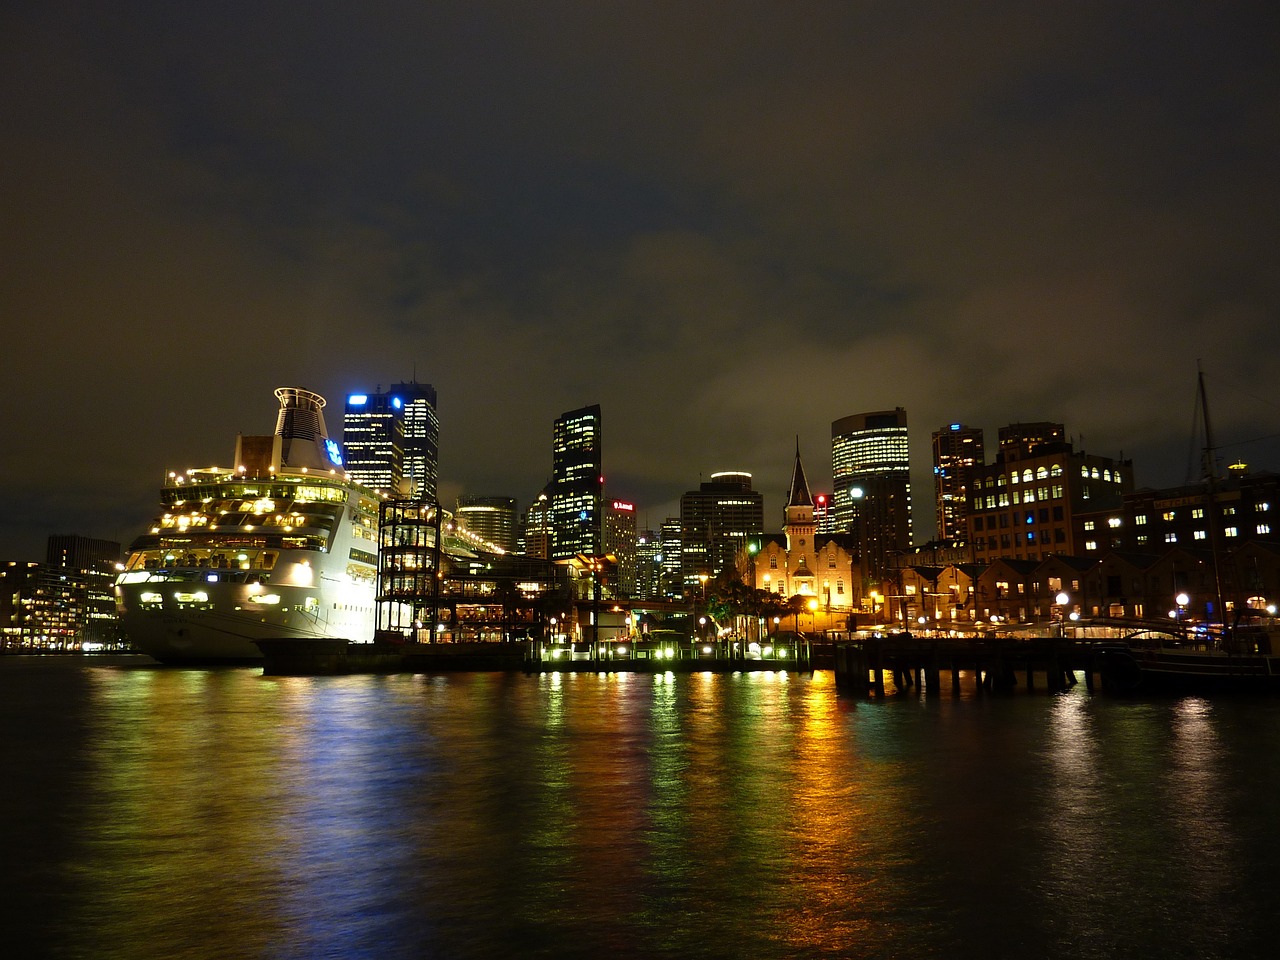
(800, 495)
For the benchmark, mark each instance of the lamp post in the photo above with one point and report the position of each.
(1181, 600)
(702, 579)
(1062, 599)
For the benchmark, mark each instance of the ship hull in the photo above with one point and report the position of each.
(226, 623)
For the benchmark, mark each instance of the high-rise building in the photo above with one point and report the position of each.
(957, 449)
(392, 440)
(534, 538)
(492, 518)
(871, 476)
(373, 440)
(620, 542)
(648, 565)
(670, 558)
(717, 520)
(577, 484)
(420, 466)
(822, 516)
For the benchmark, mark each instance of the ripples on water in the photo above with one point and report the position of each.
(160, 813)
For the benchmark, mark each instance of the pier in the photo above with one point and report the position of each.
(995, 664)
(313, 657)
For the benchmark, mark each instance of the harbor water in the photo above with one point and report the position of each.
(152, 812)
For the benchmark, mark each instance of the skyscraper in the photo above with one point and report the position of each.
(957, 449)
(577, 484)
(421, 438)
(373, 440)
(620, 542)
(392, 440)
(716, 521)
(871, 476)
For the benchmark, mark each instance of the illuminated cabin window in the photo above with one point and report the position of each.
(1264, 528)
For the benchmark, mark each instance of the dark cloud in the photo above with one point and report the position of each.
(729, 224)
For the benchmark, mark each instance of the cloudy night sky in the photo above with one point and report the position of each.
(728, 223)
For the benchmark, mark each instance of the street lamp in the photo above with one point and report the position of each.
(1181, 600)
(1062, 599)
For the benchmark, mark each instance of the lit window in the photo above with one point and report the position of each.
(1091, 544)
(1113, 522)
(1264, 528)
(1197, 513)
(1167, 515)
(1199, 534)
(1170, 538)
(1140, 519)
(1232, 532)
(1264, 507)
(1088, 524)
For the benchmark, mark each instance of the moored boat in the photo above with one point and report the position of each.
(280, 545)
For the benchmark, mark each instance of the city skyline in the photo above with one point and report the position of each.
(728, 225)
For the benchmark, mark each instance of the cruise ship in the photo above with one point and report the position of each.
(281, 545)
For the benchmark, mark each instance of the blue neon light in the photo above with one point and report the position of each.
(357, 400)
(334, 451)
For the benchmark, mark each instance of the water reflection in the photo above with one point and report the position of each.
(220, 813)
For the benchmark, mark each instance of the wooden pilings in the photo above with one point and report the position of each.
(996, 663)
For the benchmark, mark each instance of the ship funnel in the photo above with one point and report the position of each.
(304, 442)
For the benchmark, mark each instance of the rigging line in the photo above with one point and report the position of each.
(1240, 443)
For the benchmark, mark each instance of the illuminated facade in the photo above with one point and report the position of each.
(392, 440)
(373, 441)
(534, 539)
(620, 543)
(957, 449)
(804, 561)
(420, 466)
(669, 559)
(871, 476)
(493, 518)
(1032, 502)
(716, 522)
(648, 565)
(577, 484)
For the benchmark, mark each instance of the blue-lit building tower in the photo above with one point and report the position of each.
(373, 440)
(392, 440)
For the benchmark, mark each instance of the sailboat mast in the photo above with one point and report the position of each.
(1211, 486)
